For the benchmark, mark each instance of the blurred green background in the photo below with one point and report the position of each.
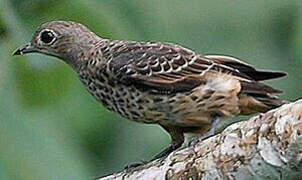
(51, 128)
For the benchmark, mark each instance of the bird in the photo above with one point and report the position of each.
(158, 82)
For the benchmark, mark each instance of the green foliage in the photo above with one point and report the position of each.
(51, 128)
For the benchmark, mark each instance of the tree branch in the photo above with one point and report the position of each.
(267, 146)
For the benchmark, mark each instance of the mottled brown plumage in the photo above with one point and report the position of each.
(159, 83)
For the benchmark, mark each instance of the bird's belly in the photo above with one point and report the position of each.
(134, 104)
(181, 109)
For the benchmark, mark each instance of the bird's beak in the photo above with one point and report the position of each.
(27, 48)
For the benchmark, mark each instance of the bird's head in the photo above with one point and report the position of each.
(62, 39)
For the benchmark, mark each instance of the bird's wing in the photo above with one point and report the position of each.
(169, 68)
(255, 74)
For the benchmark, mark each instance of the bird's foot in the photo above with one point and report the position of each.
(135, 165)
(208, 134)
(162, 155)
(199, 139)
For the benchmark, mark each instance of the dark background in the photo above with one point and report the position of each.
(51, 128)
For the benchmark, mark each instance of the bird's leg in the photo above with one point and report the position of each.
(177, 139)
(208, 134)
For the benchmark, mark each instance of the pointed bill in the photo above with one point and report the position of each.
(27, 48)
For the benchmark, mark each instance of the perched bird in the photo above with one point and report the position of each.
(158, 83)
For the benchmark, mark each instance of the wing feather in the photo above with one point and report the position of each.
(255, 74)
(169, 68)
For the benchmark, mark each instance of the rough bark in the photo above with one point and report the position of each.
(267, 146)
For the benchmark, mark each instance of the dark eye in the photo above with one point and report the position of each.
(47, 37)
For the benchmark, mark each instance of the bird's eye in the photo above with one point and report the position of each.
(47, 37)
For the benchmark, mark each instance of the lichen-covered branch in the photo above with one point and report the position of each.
(267, 146)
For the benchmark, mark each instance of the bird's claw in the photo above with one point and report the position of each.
(208, 134)
(134, 164)
(199, 139)
(194, 141)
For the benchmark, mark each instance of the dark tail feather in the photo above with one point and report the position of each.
(262, 93)
(264, 75)
(271, 101)
(255, 87)
(250, 71)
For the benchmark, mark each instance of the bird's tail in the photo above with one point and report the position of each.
(258, 97)
(254, 95)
